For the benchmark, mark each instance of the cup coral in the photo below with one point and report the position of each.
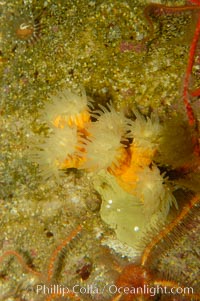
(105, 147)
(105, 140)
(66, 116)
(139, 159)
(57, 152)
(143, 179)
(146, 131)
(153, 192)
(120, 210)
(67, 108)
(132, 215)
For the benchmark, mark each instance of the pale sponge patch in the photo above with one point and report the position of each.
(107, 135)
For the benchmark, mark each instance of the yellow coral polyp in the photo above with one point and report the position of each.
(66, 108)
(123, 162)
(59, 122)
(79, 120)
(153, 192)
(146, 131)
(106, 137)
(140, 158)
(72, 162)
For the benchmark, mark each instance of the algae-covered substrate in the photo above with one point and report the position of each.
(78, 224)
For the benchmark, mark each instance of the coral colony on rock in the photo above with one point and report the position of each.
(124, 157)
(140, 166)
(135, 165)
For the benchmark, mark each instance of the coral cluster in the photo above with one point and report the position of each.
(66, 116)
(105, 146)
(105, 141)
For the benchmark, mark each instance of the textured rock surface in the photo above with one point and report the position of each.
(97, 45)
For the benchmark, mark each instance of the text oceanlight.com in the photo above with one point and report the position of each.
(62, 290)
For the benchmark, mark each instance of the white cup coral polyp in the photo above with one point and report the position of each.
(106, 142)
(67, 109)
